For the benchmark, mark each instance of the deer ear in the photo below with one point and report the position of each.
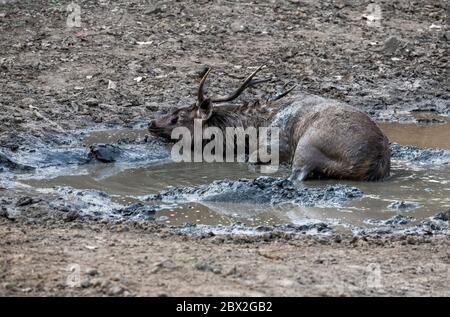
(204, 109)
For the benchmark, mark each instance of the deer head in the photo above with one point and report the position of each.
(203, 109)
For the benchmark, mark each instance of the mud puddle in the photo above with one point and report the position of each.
(429, 131)
(415, 193)
(411, 194)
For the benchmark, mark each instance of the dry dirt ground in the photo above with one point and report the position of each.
(122, 260)
(154, 52)
(129, 59)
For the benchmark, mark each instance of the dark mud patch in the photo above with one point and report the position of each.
(129, 151)
(105, 153)
(431, 111)
(76, 204)
(71, 154)
(251, 233)
(97, 205)
(435, 225)
(403, 205)
(421, 156)
(395, 226)
(396, 220)
(68, 205)
(443, 216)
(6, 163)
(262, 190)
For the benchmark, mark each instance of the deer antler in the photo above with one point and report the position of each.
(201, 91)
(283, 94)
(244, 85)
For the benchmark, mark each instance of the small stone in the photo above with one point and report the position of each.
(112, 85)
(9, 286)
(116, 278)
(72, 216)
(429, 121)
(95, 282)
(24, 201)
(393, 221)
(145, 211)
(92, 102)
(435, 26)
(237, 26)
(105, 153)
(4, 213)
(9, 163)
(338, 239)
(157, 267)
(154, 10)
(231, 271)
(85, 284)
(391, 45)
(116, 291)
(92, 272)
(204, 267)
(443, 216)
(411, 240)
(445, 36)
(403, 205)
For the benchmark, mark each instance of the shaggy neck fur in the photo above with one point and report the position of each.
(247, 115)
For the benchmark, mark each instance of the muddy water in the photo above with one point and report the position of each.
(426, 190)
(114, 136)
(436, 135)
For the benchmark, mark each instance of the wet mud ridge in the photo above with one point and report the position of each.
(65, 150)
(421, 156)
(262, 190)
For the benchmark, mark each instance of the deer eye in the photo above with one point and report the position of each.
(174, 120)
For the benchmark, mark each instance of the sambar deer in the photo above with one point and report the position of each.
(319, 137)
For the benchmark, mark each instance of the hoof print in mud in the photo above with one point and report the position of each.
(105, 153)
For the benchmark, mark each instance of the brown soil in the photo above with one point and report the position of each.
(97, 260)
